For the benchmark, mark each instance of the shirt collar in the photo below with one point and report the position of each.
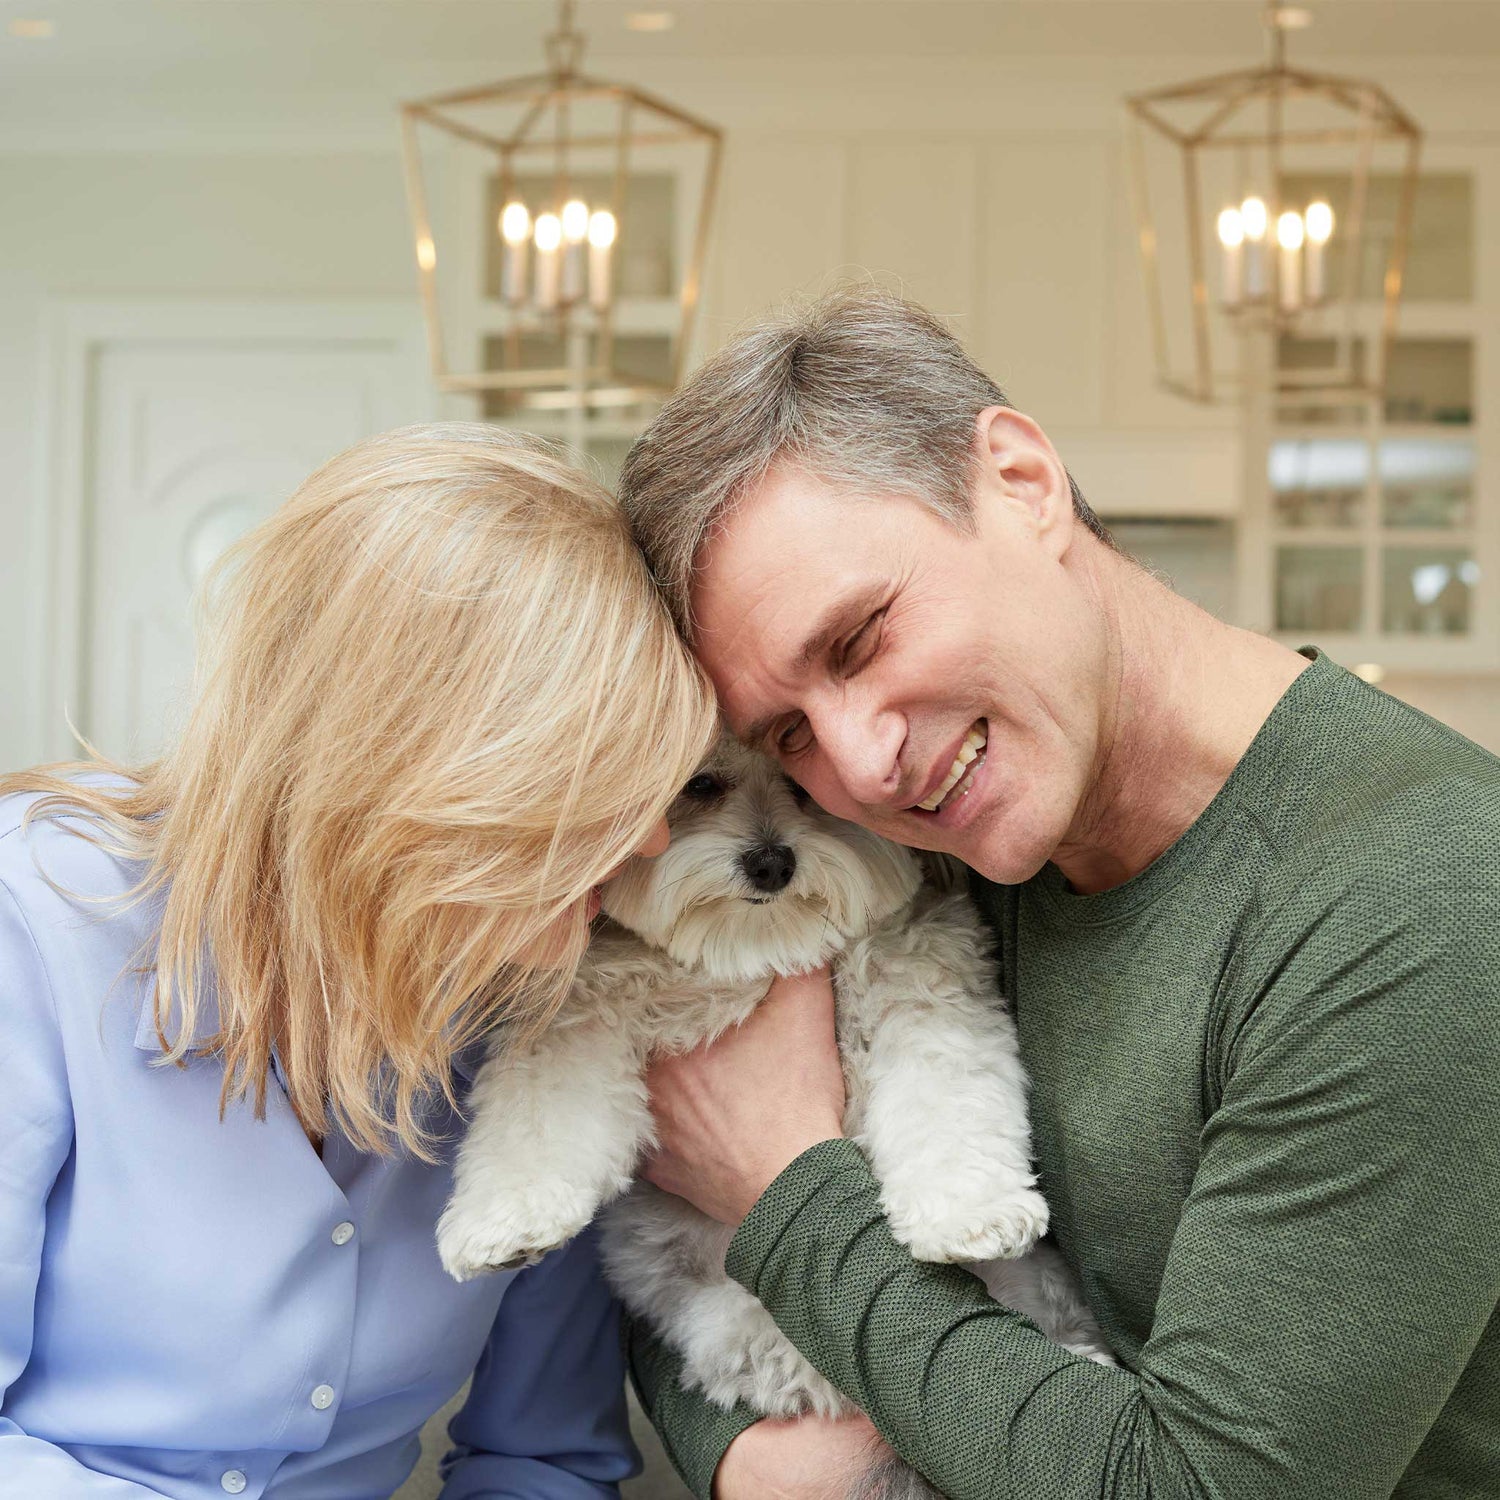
(205, 1024)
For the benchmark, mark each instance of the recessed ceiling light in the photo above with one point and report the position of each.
(32, 30)
(650, 20)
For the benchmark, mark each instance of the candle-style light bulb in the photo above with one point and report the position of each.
(515, 231)
(1231, 257)
(575, 229)
(1290, 234)
(515, 223)
(1254, 220)
(575, 220)
(1319, 221)
(546, 236)
(602, 230)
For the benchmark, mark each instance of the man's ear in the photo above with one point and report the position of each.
(1021, 469)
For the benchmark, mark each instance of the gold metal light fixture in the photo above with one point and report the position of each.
(1274, 201)
(573, 222)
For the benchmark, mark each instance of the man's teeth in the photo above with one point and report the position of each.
(971, 750)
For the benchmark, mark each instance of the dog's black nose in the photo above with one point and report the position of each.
(768, 867)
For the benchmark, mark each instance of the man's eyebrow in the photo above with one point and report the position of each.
(833, 622)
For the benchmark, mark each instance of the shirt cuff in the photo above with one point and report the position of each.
(779, 1207)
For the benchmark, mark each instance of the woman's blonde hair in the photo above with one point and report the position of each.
(439, 699)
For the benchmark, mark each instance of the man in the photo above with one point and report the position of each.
(1248, 913)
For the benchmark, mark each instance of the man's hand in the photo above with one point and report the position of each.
(807, 1458)
(732, 1114)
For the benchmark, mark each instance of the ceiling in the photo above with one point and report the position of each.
(176, 62)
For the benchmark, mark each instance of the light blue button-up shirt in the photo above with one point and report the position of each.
(192, 1307)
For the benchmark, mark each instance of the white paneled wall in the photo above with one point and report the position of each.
(168, 224)
(913, 214)
(1024, 242)
(1046, 322)
(781, 225)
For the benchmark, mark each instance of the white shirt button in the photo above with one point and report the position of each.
(232, 1481)
(322, 1397)
(343, 1233)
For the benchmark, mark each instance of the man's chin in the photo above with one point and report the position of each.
(1002, 852)
(997, 854)
(1005, 870)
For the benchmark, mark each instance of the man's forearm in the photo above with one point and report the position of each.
(965, 1390)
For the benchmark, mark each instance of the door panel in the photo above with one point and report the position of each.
(190, 445)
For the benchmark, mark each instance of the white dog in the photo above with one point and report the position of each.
(759, 881)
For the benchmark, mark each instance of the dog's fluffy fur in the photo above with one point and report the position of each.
(936, 1095)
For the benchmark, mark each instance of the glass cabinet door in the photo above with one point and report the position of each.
(1377, 528)
(1374, 524)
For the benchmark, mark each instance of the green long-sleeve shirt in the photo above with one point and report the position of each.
(1266, 1110)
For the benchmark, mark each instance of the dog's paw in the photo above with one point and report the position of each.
(481, 1232)
(1004, 1230)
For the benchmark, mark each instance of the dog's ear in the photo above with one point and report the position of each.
(945, 873)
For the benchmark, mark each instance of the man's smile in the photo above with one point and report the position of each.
(952, 784)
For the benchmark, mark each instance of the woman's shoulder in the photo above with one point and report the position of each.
(59, 866)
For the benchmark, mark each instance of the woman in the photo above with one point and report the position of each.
(242, 988)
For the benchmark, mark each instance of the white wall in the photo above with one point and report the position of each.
(996, 191)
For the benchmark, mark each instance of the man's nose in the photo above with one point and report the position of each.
(864, 755)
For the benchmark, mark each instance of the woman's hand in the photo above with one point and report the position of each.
(730, 1115)
(807, 1458)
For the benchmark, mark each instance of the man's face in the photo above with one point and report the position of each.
(869, 646)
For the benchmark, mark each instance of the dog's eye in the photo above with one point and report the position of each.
(799, 796)
(703, 788)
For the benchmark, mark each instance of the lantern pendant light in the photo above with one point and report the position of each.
(1255, 200)
(563, 155)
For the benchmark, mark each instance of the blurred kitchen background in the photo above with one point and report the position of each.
(211, 279)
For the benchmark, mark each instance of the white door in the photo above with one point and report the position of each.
(189, 443)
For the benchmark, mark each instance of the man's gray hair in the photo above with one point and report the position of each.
(861, 390)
